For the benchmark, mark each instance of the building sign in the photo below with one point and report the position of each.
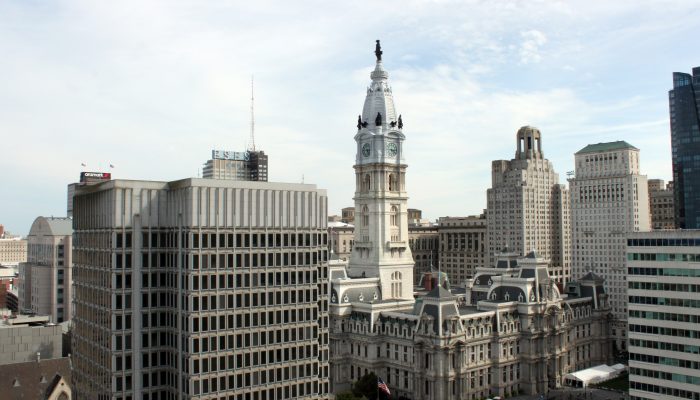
(94, 177)
(230, 155)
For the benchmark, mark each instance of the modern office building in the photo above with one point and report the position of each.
(684, 107)
(463, 246)
(663, 273)
(13, 251)
(661, 204)
(609, 199)
(508, 330)
(527, 207)
(240, 166)
(45, 279)
(200, 289)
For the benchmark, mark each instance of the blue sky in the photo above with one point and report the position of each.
(153, 86)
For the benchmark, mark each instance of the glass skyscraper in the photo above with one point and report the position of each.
(684, 106)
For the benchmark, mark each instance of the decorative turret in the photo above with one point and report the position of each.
(379, 112)
(529, 143)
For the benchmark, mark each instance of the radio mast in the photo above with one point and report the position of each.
(251, 143)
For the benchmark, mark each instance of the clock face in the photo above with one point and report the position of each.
(366, 150)
(391, 149)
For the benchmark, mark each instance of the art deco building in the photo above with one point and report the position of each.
(664, 314)
(608, 200)
(527, 207)
(45, 280)
(508, 330)
(200, 289)
(684, 107)
(463, 246)
(661, 204)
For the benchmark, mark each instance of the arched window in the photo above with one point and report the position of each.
(365, 216)
(394, 217)
(396, 285)
(393, 184)
(366, 183)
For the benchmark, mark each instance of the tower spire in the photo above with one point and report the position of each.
(251, 143)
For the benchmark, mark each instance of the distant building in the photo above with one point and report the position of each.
(200, 288)
(661, 204)
(13, 251)
(463, 246)
(23, 337)
(237, 166)
(527, 207)
(8, 281)
(37, 379)
(663, 274)
(45, 278)
(348, 215)
(609, 200)
(341, 237)
(424, 242)
(684, 106)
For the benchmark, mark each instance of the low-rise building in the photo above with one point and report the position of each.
(13, 251)
(463, 246)
(661, 204)
(37, 379)
(24, 337)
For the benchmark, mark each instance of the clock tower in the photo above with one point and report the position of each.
(381, 224)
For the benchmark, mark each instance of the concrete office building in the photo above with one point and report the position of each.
(684, 107)
(200, 288)
(609, 199)
(463, 246)
(240, 166)
(527, 207)
(664, 314)
(13, 251)
(24, 337)
(45, 279)
(661, 204)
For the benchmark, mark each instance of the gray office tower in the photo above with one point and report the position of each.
(684, 106)
(200, 289)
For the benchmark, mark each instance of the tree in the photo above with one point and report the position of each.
(366, 386)
(346, 396)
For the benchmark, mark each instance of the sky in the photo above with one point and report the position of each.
(152, 87)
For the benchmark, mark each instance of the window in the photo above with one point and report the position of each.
(394, 217)
(366, 183)
(365, 216)
(393, 184)
(396, 284)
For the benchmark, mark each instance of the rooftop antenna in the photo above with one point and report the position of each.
(251, 144)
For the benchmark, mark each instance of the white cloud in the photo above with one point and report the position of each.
(152, 86)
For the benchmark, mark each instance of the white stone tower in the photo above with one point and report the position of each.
(381, 224)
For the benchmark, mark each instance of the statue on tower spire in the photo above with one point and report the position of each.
(378, 51)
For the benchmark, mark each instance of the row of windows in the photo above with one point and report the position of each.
(663, 257)
(662, 316)
(253, 280)
(667, 376)
(665, 331)
(688, 272)
(653, 344)
(672, 287)
(287, 392)
(223, 240)
(254, 260)
(256, 359)
(647, 387)
(674, 362)
(255, 339)
(664, 301)
(268, 298)
(664, 242)
(246, 320)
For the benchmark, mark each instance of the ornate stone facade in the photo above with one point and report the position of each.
(507, 330)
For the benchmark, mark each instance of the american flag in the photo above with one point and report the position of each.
(382, 386)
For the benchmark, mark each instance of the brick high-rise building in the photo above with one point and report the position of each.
(200, 288)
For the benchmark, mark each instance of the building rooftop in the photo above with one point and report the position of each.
(600, 147)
